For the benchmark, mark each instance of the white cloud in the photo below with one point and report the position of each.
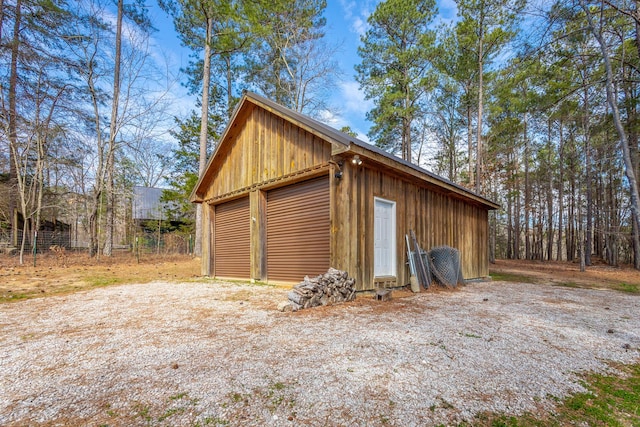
(353, 99)
(448, 9)
(348, 7)
(332, 119)
(338, 121)
(357, 13)
(351, 110)
(363, 137)
(359, 26)
(447, 13)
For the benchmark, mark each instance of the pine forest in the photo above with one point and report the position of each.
(533, 105)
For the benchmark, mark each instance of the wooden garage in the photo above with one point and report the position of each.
(287, 196)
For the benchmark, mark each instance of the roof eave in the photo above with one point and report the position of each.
(197, 196)
(341, 143)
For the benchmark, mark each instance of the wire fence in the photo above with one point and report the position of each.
(141, 242)
(163, 243)
(44, 239)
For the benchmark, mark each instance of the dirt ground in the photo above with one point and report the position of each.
(55, 275)
(597, 276)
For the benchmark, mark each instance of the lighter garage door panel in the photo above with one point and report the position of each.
(232, 255)
(298, 232)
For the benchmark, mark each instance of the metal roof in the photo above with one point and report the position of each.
(146, 203)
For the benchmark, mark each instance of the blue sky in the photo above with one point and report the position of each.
(346, 22)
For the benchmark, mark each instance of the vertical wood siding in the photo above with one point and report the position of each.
(265, 147)
(437, 219)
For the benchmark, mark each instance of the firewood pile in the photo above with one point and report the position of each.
(332, 287)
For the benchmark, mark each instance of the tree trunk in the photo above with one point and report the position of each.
(113, 133)
(586, 128)
(480, 106)
(611, 244)
(42, 139)
(109, 206)
(637, 22)
(13, 127)
(632, 132)
(527, 193)
(227, 59)
(406, 151)
(560, 193)
(406, 128)
(581, 239)
(96, 192)
(549, 201)
(510, 214)
(93, 226)
(518, 209)
(1, 16)
(23, 241)
(599, 212)
(470, 139)
(571, 217)
(571, 223)
(613, 104)
(204, 128)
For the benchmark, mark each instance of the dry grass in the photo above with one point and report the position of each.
(49, 277)
(568, 274)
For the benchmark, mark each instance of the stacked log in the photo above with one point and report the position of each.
(332, 287)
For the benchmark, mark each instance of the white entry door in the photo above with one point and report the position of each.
(384, 233)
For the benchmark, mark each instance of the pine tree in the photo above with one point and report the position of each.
(485, 28)
(289, 61)
(204, 27)
(395, 71)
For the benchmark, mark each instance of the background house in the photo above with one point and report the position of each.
(55, 228)
(146, 205)
(155, 225)
(287, 196)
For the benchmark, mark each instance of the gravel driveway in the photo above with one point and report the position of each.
(220, 354)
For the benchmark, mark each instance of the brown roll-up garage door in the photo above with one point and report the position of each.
(298, 230)
(232, 254)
